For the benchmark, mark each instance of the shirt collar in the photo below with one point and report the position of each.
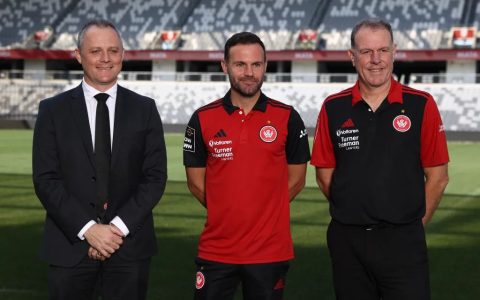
(260, 105)
(394, 94)
(90, 92)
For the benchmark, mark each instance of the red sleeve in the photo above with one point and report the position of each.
(322, 152)
(433, 146)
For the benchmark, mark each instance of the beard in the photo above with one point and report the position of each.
(246, 91)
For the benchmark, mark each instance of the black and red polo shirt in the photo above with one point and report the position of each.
(246, 159)
(379, 156)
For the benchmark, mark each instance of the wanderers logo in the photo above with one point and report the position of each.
(402, 123)
(199, 280)
(268, 134)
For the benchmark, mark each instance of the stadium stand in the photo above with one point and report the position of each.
(176, 101)
(138, 21)
(458, 104)
(20, 97)
(476, 22)
(206, 24)
(417, 24)
(275, 21)
(20, 19)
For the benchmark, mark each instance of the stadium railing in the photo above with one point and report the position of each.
(444, 78)
(180, 76)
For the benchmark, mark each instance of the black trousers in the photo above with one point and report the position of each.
(114, 278)
(379, 262)
(259, 281)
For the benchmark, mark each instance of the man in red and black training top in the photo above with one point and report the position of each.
(245, 156)
(381, 160)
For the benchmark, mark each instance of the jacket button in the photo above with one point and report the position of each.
(94, 179)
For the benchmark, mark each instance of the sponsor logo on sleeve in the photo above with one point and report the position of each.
(189, 140)
(402, 123)
(268, 134)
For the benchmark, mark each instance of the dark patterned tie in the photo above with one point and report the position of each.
(102, 152)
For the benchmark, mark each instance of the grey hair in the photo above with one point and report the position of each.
(98, 23)
(375, 23)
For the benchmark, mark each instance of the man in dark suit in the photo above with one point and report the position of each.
(99, 168)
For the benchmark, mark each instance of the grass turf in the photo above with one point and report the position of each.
(453, 236)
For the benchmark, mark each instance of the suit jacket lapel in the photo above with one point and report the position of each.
(80, 115)
(121, 110)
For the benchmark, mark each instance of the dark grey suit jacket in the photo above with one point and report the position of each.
(64, 173)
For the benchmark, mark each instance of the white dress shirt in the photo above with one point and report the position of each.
(89, 93)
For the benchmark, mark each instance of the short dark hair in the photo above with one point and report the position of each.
(370, 23)
(98, 23)
(243, 38)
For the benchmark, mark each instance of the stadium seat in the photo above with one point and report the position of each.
(416, 24)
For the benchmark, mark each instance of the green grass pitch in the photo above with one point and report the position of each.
(453, 235)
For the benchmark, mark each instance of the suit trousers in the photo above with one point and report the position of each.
(382, 261)
(114, 278)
